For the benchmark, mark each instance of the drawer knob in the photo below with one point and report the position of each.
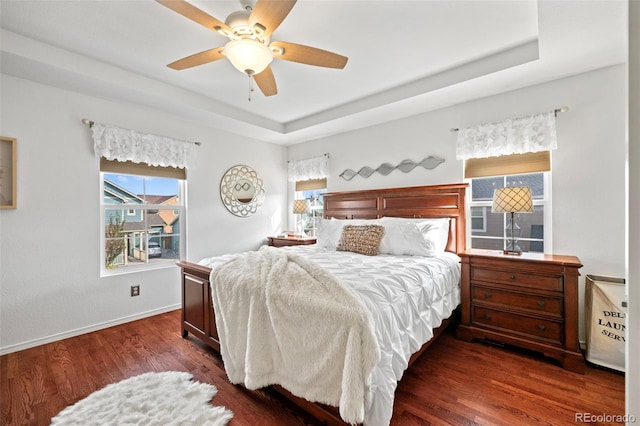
(513, 277)
(487, 316)
(487, 294)
(541, 303)
(541, 327)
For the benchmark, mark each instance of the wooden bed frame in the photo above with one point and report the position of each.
(437, 201)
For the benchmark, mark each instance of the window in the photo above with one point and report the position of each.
(312, 190)
(493, 230)
(141, 222)
(310, 221)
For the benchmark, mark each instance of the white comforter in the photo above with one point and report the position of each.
(407, 296)
(283, 319)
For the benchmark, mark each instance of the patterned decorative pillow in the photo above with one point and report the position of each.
(330, 230)
(363, 239)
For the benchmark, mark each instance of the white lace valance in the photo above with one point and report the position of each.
(311, 168)
(114, 143)
(514, 136)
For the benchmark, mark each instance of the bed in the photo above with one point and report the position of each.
(418, 313)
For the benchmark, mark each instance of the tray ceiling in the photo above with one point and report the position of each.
(405, 57)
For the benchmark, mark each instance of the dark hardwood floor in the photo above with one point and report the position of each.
(453, 382)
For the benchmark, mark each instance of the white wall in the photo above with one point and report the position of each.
(588, 168)
(50, 285)
(49, 256)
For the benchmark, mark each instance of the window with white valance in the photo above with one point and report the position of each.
(310, 177)
(513, 152)
(143, 180)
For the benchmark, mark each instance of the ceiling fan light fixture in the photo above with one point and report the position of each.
(248, 55)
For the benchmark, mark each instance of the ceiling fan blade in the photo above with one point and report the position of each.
(198, 59)
(270, 14)
(266, 82)
(189, 11)
(308, 55)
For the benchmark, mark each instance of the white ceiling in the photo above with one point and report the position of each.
(405, 57)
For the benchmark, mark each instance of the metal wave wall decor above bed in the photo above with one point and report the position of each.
(429, 163)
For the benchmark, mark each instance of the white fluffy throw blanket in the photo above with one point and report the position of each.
(284, 320)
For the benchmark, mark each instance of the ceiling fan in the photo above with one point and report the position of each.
(250, 49)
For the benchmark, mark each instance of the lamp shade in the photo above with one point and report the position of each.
(248, 55)
(514, 199)
(301, 206)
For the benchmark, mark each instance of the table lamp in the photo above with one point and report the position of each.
(301, 207)
(514, 199)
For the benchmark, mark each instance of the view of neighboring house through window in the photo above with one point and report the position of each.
(493, 230)
(142, 221)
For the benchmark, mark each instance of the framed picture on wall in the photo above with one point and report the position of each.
(7, 173)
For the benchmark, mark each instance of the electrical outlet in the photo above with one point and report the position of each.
(135, 290)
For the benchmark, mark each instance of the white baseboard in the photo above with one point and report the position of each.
(72, 333)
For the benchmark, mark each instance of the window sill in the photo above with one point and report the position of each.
(164, 264)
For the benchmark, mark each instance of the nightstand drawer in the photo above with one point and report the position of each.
(517, 278)
(540, 329)
(517, 301)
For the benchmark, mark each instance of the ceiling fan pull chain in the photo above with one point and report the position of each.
(250, 86)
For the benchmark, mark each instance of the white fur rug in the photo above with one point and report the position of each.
(169, 398)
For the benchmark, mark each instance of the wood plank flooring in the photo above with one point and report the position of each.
(452, 383)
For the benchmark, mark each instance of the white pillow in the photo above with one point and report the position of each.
(328, 233)
(417, 237)
(404, 239)
(436, 231)
(330, 230)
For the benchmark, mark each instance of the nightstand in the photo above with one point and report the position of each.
(291, 241)
(530, 301)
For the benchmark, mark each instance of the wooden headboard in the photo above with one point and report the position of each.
(412, 202)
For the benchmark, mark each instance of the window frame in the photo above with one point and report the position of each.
(126, 208)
